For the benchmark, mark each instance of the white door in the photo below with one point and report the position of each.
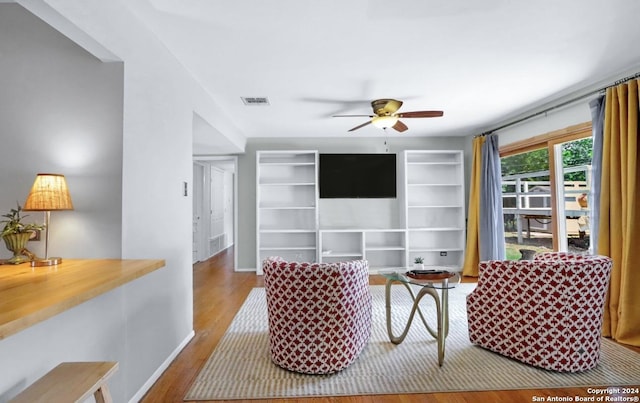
(217, 210)
(199, 247)
(215, 206)
(228, 208)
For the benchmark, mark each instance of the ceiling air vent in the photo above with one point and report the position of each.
(255, 100)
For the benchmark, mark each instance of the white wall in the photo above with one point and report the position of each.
(247, 179)
(147, 321)
(62, 112)
(554, 120)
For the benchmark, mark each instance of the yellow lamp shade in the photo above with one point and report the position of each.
(49, 193)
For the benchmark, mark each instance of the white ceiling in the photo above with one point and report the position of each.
(482, 62)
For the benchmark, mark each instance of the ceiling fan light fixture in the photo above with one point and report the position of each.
(383, 122)
(385, 116)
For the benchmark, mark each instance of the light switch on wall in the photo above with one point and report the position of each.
(185, 191)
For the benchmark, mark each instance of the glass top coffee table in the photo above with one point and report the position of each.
(429, 284)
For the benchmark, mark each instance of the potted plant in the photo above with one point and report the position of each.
(16, 234)
(418, 263)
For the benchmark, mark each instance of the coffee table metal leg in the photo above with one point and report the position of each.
(443, 325)
(442, 318)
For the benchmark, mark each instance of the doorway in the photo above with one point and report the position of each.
(214, 206)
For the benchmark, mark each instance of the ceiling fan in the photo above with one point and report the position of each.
(386, 115)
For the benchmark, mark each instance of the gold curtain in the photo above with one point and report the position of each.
(619, 233)
(472, 254)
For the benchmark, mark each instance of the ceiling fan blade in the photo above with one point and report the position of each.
(352, 116)
(392, 106)
(420, 114)
(399, 126)
(362, 125)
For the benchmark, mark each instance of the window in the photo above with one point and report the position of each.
(545, 186)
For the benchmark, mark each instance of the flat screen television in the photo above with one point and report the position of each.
(357, 176)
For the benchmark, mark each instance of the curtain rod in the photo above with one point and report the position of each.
(560, 105)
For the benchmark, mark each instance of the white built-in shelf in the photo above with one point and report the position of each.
(433, 163)
(433, 184)
(287, 184)
(436, 249)
(383, 248)
(289, 164)
(435, 229)
(287, 231)
(289, 248)
(430, 202)
(342, 254)
(433, 206)
(286, 200)
(287, 207)
(433, 196)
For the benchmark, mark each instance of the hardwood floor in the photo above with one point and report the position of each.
(219, 293)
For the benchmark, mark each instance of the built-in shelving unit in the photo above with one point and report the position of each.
(337, 245)
(431, 209)
(382, 248)
(287, 205)
(433, 193)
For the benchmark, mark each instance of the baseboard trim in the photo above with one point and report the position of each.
(147, 385)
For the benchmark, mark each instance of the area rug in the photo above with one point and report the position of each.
(240, 367)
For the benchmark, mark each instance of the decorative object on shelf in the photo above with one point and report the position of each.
(49, 193)
(429, 275)
(418, 263)
(16, 234)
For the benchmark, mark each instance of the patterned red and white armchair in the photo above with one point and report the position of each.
(546, 312)
(319, 313)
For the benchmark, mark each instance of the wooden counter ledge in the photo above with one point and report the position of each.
(29, 295)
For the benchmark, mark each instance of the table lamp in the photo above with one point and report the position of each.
(49, 193)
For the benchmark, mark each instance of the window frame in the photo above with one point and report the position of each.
(549, 141)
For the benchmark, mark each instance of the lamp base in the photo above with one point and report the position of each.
(51, 261)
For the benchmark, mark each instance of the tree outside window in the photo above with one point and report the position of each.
(533, 181)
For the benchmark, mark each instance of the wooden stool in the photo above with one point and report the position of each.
(71, 382)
